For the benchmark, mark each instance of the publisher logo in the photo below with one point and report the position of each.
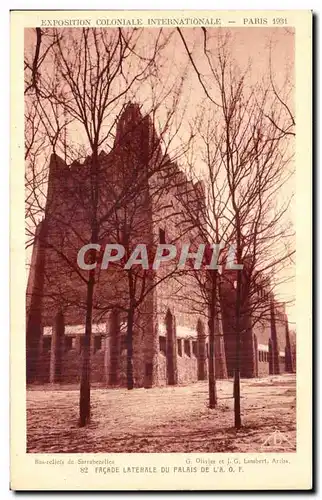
(277, 441)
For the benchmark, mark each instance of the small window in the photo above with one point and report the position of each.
(46, 344)
(97, 343)
(68, 343)
(163, 345)
(187, 349)
(260, 355)
(194, 349)
(179, 344)
(162, 236)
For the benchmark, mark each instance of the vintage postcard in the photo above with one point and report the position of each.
(160, 250)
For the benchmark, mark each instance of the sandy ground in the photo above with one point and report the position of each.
(168, 419)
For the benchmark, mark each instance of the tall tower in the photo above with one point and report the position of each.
(34, 300)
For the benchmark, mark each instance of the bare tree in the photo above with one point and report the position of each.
(283, 97)
(249, 141)
(96, 71)
(36, 59)
(205, 210)
(149, 175)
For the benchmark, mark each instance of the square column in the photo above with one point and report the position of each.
(57, 349)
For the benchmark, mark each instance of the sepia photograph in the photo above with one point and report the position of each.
(160, 238)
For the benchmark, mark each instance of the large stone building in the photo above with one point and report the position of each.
(140, 196)
(267, 346)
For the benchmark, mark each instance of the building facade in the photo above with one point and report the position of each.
(139, 196)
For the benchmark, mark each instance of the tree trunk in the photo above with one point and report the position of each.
(85, 389)
(212, 322)
(129, 364)
(212, 379)
(237, 412)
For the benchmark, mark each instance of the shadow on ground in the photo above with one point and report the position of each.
(163, 420)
